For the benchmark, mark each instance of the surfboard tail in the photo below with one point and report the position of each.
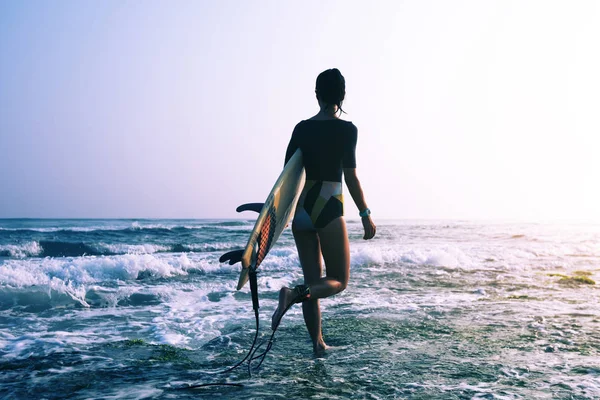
(244, 276)
(273, 216)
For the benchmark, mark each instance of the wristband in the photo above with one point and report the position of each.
(365, 213)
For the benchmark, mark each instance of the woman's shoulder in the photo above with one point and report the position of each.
(347, 126)
(333, 120)
(350, 127)
(299, 126)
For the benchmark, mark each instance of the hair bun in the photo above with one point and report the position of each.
(331, 87)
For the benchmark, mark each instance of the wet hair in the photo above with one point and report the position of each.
(331, 87)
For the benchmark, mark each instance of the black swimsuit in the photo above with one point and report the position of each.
(327, 147)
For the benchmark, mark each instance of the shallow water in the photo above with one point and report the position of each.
(453, 310)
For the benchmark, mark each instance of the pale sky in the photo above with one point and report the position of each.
(465, 109)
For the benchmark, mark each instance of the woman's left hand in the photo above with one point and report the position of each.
(369, 226)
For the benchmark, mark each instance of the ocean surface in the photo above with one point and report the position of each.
(139, 309)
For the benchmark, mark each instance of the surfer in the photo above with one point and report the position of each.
(328, 147)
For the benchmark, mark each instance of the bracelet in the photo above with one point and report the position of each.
(365, 213)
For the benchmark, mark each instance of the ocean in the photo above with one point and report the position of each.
(141, 309)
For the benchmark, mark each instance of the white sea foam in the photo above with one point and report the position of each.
(133, 391)
(74, 229)
(29, 249)
(34, 249)
(212, 246)
(92, 269)
(134, 226)
(120, 248)
(443, 255)
(68, 228)
(75, 277)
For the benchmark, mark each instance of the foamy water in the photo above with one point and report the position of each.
(136, 308)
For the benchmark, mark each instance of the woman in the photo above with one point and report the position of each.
(328, 148)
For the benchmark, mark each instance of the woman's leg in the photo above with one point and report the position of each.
(333, 243)
(335, 248)
(309, 252)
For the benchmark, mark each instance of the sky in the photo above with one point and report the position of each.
(156, 109)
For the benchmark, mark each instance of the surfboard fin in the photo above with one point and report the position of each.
(233, 257)
(250, 207)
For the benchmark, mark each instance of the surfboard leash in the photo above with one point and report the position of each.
(251, 355)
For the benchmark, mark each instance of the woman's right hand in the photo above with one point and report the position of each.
(369, 226)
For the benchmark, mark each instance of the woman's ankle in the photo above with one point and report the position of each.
(319, 346)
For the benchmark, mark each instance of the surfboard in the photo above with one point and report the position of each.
(274, 215)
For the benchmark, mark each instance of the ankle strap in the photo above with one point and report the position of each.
(302, 293)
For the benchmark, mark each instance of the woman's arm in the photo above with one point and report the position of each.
(292, 146)
(359, 199)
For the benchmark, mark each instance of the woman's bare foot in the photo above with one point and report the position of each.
(319, 349)
(286, 298)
